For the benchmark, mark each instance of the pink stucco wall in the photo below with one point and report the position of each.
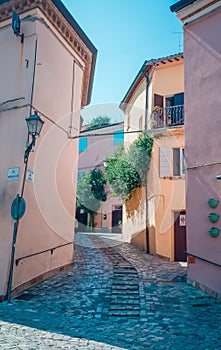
(50, 199)
(203, 144)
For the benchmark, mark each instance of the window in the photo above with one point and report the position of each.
(178, 162)
(118, 137)
(82, 144)
(175, 100)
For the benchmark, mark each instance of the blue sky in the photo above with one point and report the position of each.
(125, 33)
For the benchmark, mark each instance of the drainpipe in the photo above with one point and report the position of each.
(146, 188)
(148, 81)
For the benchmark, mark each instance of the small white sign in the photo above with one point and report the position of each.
(182, 220)
(30, 175)
(13, 174)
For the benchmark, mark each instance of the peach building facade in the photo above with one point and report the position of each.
(202, 47)
(50, 72)
(154, 103)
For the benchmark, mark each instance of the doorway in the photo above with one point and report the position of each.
(180, 236)
(116, 218)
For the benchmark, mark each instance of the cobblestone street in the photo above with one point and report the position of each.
(115, 297)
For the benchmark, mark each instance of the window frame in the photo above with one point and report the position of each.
(80, 147)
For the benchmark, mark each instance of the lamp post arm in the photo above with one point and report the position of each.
(28, 150)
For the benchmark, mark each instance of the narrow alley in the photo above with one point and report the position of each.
(115, 297)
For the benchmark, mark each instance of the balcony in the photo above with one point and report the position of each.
(167, 117)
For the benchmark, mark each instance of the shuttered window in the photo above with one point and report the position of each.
(164, 161)
(178, 162)
(158, 100)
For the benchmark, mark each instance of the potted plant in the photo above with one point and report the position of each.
(213, 202)
(214, 231)
(169, 121)
(213, 217)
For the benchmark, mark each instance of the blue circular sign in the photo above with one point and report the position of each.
(18, 208)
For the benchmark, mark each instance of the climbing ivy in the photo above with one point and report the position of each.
(127, 169)
(140, 154)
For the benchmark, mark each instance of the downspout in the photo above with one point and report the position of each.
(16, 223)
(148, 81)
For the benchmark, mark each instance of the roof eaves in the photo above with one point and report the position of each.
(180, 5)
(59, 4)
(69, 18)
(67, 15)
(143, 70)
(139, 75)
(101, 127)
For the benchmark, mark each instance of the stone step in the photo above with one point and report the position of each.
(124, 267)
(123, 286)
(116, 307)
(125, 291)
(121, 281)
(124, 272)
(125, 275)
(121, 313)
(127, 301)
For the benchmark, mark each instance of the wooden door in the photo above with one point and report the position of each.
(180, 236)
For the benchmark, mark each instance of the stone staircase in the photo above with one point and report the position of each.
(125, 298)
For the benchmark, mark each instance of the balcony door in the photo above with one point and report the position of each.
(174, 109)
(158, 102)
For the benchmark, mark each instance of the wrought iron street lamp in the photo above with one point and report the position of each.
(35, 124)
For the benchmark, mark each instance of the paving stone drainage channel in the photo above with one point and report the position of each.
(127, 297)
(125, 294)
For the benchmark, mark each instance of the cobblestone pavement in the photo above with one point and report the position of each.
(115, 297)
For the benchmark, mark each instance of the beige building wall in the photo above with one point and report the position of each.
(45, 233)
(168, 79)
(165, 196)
(135, 114)
(134, 219)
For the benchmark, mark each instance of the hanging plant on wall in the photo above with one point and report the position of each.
(127, 170)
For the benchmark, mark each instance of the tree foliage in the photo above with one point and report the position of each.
(90, 192)
(127, 170)
(97, 182)
(99, 122)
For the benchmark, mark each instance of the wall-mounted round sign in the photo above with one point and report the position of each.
(18, 208)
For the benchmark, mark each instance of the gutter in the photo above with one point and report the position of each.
(181, 4)
(145, 67)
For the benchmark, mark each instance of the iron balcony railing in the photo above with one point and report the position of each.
(168, 116)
